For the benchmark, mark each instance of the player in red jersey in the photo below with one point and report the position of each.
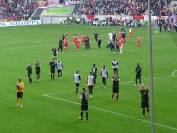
(119, 46)
(139, 41)
(83, 39)
(77, 43)
(73, 38)
(119, 35)
(66, 44)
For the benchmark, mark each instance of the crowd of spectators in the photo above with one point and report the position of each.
(111, 7)
(16, 10)
(126, 7)
(164, 8)
(20, 9)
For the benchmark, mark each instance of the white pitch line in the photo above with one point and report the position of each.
(24, 41)
(111, 112)
(38, 46)
(26, 47)
(57, 92)
(173, 74)
(142, 80)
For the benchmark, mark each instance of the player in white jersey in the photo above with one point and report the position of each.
(77, 79)
(59, 67)
(110, 37)
(115, 65)
(104, 75)
(90, 81)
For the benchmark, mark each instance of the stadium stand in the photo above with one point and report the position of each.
(111, 7)
(16, 10)
(126, 7)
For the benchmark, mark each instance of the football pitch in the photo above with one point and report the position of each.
(51, 106)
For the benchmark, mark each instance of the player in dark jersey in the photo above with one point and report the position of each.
(29, 68)
(144, 99)
(52, 69)
(38, 70)
(115, 87)
(99, 41)
(84, 104)
(96, 36)
(123, 35)
(114, 36)
(94, 72)
(60, 43)
(138, 71)
(63, 37)
(87, 45)
(54, 53)
(112, 46)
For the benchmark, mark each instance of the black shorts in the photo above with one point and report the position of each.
(52, 71)
(90, 89)
(37, 73)
(138, 76)
(84, 107)
(59, 71)
(29, 75)
(115, 70)
(144, 104)
(19, 94)
(77, 84)
(115, 90)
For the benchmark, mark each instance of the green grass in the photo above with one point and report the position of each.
(58, 111)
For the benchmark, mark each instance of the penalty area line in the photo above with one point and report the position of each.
(108, 111)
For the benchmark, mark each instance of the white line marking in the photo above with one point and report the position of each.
(173, 74)
(142, 80)
(22, 41)
(108, 85)
(26, 47)
(72, 49)
(111, 112)
(57, 92)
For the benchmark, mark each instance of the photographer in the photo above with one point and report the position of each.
(19, 89)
